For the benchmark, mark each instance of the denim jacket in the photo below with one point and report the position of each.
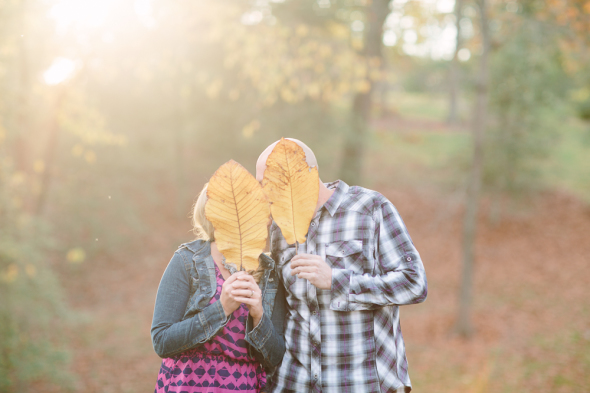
(184, 319)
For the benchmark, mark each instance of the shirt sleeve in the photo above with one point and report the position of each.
(170, 334)
(400, 277)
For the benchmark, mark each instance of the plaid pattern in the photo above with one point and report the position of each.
(348, 338)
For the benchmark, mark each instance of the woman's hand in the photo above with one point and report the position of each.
(227, 299)
(245, 290)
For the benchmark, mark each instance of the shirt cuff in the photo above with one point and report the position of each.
(259, 335)
(340, 289)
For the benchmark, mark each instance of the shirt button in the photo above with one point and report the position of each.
(315, 376)
(313, 224)
(408, 259)
(315, 312)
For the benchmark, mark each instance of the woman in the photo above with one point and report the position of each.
(217, 329)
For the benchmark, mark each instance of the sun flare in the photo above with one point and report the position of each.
(83, 14)
(60, 70)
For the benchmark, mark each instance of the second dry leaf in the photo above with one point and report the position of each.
(292, 187)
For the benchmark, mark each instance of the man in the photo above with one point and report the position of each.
(343, 288)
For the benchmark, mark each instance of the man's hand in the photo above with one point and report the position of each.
(313, 268)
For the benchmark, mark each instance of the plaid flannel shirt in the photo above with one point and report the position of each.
(348, 338)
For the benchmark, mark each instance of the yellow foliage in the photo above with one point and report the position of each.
(31, 270)
(581, 95)
(17, 179)
(10, 274)
(39, 166)
(287, 95)
(302, 30)
(363, 86)
(90, 157)
(239, 212)
(325, 51)
(292, 187)
(319, 68)
(214, 88)
(17, 202)
(360, 70)
(76, 255)
(481, 382)
(250, 128)
(234, 94)
(375, 75)
(313, 90)
(338, 30)
(343, 87)
(185, 91)
(375, 62)
(77, 150)
(269, 100)
(230, 61)
(202, 77)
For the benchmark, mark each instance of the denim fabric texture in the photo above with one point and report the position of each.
(184, 319)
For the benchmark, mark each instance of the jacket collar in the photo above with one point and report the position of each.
(198, 247)
(202, 247)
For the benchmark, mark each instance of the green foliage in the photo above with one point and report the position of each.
(556, 364)
(569, 167)
(32, 310)
(584, 109)
(527, 83)
(581, 99)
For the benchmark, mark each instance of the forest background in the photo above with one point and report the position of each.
(471, 116)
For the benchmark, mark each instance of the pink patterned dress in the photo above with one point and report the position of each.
(220, 365)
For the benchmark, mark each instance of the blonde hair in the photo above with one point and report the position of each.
(203, 229)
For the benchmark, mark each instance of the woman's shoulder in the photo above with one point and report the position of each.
(187, 253)
(196, 247)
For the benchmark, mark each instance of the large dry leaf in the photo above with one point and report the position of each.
(292, 188)
(239, 212)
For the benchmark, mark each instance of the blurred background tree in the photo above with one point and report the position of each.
(114, 114)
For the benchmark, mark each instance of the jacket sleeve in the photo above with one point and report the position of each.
(400, 278)
(170, 334)
(267, 339)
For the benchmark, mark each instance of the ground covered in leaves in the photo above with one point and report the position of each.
(531, 311)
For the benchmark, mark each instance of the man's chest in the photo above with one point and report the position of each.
(344, 241)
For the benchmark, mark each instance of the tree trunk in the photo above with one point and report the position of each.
(24, 88)
(454, 69)
(464, 326)
(179, 148)
(50, 153)
(354, 145)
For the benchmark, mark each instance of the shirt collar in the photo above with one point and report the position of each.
(340, 190)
